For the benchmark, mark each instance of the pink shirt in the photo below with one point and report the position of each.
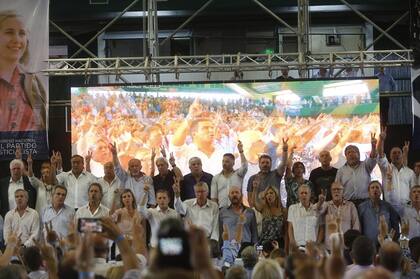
(16, 111)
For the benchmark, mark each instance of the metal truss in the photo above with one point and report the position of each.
(226, 63)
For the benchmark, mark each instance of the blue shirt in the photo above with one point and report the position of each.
(60, 220)
(369, 218)
(231, 218)
(187, 185)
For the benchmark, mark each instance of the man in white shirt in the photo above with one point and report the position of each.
(397, 193)
(77, 181)
(134, 179)
(416, 176)
(228, 177)
(94, 209)
(9, 184)
(200, 210)
(156, 215)
(22, 220)
(411, 212)
(58, 214)
(304, 218)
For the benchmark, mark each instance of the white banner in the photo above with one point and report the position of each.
(24, 90)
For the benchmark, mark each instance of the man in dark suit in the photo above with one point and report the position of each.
(10, 184)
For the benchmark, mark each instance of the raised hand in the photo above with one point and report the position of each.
(406, 146)
(52, 236)
(146, 188)
(285, 143)
(176, 187)
(29, 160)
(88, 157)
(373, 139)
(113, 148)
(163, 151)
(18, 152)
(84, 254)
(172, 159)
(405, 227)
(240, 147)
(321, 197)
(382, 135)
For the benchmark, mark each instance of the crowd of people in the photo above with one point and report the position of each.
(339, 223)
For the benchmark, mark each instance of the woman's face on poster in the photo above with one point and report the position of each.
(13, 39)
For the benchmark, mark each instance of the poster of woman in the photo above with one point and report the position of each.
(23, 88)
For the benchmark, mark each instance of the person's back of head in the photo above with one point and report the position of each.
(249, 257)
(363, 251)
(236, 272)
(13, 271)
(100, 246)
(32, 258)
(267, 269)
(390, 256)
(349, 237)
(414, 245)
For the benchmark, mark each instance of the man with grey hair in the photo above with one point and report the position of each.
(22, 220)
(304, 218)
(196, 175)
(94, 209)
(166, 177)
(202, 211)
(10, 184)
(355, 174)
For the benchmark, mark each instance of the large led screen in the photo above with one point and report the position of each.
(207, 120)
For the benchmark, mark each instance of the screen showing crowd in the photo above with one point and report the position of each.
(207, 120)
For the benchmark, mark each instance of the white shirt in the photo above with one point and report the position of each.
(401, 184)
(109, 190)
(220, 184)
(60, 220)
(27, 225)
(411, 215)
(206, 217)
(13, 186)
(136, 185)
(305, 223)
(84, 212)
(155, 216)
(211, 164)
(39, 274)
(354, 270)
(43, 193)
(77, 188)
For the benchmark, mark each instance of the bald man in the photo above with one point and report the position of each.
(229, 215)
(390, 257)
(134, 179)
(324, 176)
(396, 188)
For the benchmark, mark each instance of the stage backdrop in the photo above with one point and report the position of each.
(23, 89)
(207, 120)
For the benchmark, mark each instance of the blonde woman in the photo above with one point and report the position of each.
(23, 98)
(274, 215)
